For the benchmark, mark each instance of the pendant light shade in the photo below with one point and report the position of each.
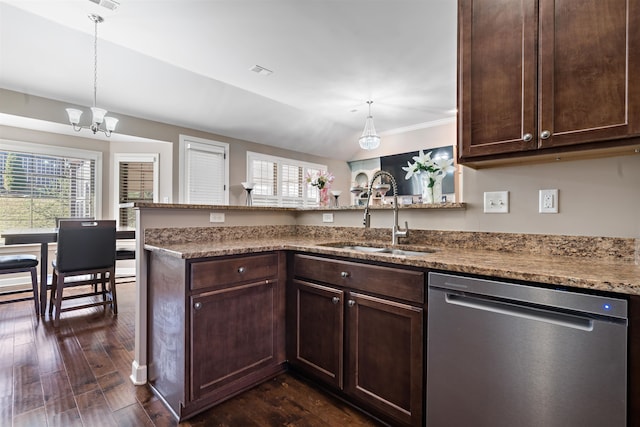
(369, 140)
(99, 115)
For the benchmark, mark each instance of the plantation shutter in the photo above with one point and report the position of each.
(205, 172)
(264, 174)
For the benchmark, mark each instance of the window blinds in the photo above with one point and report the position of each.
(136, 185)
(35, 189)
(205, 173)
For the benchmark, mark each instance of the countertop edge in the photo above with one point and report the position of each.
(609, 276)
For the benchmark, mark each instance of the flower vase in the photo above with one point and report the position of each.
(323, 197)
(431, 194)
(427, 192)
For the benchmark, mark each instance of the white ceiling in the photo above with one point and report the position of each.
(186, 62)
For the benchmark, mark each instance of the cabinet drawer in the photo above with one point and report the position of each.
(223, 272)
(387, 281)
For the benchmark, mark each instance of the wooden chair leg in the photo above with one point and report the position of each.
(52, 294)
(59, 288)
(34, 284)
(112, 286)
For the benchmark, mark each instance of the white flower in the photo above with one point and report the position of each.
(433, 168)
(423, 159)
(411, 169)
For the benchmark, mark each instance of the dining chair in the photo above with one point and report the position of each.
(86, 255)
(21, 263)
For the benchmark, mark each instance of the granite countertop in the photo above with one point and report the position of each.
(602, 274)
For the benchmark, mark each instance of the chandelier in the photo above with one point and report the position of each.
(369, 140)
(99, 114)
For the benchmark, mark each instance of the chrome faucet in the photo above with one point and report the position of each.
(396, 232)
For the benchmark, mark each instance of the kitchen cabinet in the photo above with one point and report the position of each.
(216, 327)
(541, 76)
(358, 329)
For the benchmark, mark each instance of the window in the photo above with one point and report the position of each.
(136, 181)
(40, 183)
(281, 182)
(204, 171)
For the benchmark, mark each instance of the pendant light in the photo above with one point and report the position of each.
(369, 139)
(99, 114)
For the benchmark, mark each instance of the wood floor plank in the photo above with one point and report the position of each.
(80, 374)
(55, 385)
(118, 390)
(94, 410)
(27, 389)
(37, 417)
(49, 357)
(62, 411)
(132, 415)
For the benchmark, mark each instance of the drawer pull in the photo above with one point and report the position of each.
(351, 303)
(335, 300)
(197, 305)
(344, 274)
(545, 134)
(241, 270)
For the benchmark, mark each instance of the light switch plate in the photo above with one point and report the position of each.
(548, 201)
(216, 217)
(496, 202)
(327, 217)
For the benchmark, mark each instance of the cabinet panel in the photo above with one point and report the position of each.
(385, 365)
(232, 334)
(220, 273)
(388, 281)
(497, 66)
(584, 81)
(318, 331)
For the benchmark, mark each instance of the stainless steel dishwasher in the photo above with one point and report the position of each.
(503, 354)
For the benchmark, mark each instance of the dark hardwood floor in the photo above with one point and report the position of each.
(78, 375)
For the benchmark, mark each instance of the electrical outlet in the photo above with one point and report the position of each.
(216, 217)
(548, 201)
(496, 202)
(327, 217)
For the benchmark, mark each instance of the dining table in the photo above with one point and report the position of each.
(44, 236)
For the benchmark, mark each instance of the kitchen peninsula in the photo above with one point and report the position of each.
(178, 238)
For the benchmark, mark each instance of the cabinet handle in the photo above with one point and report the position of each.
(335, 300)
(344, 274)
(351, 303)
(241, 270)
(197, 305)
(545, 134)
(527, 137)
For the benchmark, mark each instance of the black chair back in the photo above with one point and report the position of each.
(86, 245)
(88, 218)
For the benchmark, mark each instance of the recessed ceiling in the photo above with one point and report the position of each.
(188, 63)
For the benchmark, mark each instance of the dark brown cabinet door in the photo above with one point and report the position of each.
(316, 336)
(385, 356)
(538, 74)
(589, 75)
(233, 334)
(497, 76)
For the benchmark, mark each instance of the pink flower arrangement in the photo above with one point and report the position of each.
(321, 179)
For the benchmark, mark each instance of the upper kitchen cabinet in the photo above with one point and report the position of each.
(541, 76)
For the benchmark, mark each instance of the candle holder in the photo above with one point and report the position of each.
(248, 186)
(336, 194)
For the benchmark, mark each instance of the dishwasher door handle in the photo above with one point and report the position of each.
(521, 311)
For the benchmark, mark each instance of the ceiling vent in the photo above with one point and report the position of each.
(109, 4)
(261, 70)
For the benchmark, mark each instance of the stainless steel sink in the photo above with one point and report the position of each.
(396, 250)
